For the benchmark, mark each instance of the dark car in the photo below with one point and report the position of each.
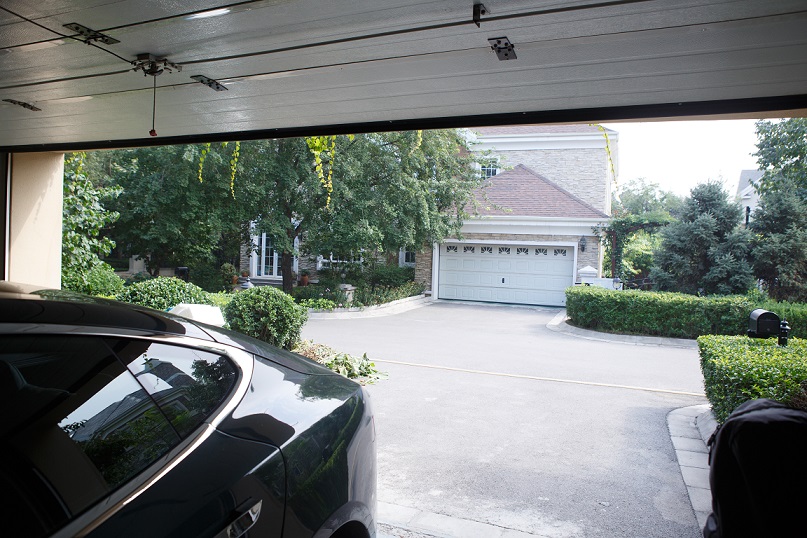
(121, 421)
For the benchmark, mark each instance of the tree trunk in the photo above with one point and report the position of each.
(287, 266)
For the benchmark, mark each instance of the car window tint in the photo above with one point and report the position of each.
(74, 425)
(188, 384)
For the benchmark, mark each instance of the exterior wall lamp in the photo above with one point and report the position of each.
(583, 244)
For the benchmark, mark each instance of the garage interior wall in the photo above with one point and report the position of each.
(35, 219)
(5, 172)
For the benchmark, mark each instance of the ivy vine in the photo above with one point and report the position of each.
(233, 162)
(620, 229)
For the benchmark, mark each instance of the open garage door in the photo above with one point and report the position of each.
(516, 274)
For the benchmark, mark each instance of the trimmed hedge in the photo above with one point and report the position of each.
(268, 314)
(737, 369)
(163, 293)
(676, 315)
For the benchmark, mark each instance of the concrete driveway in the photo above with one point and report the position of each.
(490, 417)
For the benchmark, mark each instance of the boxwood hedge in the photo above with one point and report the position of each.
(674, 315)
(163, 293)
(737, 369)
(268, 314)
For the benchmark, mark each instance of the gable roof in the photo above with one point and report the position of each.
(746, 177)
(528, 194)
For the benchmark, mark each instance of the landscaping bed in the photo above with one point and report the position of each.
(737, 369)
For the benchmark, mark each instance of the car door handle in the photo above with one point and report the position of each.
(243, 521)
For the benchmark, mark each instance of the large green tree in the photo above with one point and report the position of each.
(782, 155)
(168, 215)
(638, 209)
(780, 244)
(374, 192)
(83, 218)
(706, 251)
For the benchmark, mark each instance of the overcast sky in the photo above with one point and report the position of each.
(681, 154)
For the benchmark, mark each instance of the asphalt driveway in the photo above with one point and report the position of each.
(489, 416)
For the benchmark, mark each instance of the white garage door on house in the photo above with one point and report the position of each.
(516, 274)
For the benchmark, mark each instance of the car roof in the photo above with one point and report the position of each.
(29, 304)
(23, 303)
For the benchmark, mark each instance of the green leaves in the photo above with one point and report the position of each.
(782, 154)
(737, 369)
(83, 218)
(268, 314)
(163, 293)
(361, 368)
(705, 251)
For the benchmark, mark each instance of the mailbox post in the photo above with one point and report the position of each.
(765, 324)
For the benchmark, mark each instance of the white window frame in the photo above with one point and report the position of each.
(258, 260)
(402, 257)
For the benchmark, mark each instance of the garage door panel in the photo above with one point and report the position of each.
(508, 274)
(486, 265)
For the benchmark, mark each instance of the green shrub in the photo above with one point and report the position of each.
(361, 368)
(221, 299)
(317, 304)
(319, 291)
(102, 280)
(656, 313)
(163, 293)
(206, 275)
(142, 276)
(672, 314)
(227, 272)
(794, 313)
(737, 369)
(389, 275)
(268, 314)
(368, 296)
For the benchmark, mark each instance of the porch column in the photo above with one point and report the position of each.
(34, 217)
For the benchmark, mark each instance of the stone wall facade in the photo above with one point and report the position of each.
(423, 267)
(583, 172)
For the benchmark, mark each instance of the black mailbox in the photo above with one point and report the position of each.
(183, 273)
(763, 324)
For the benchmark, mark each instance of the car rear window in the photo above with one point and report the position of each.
(81, 416)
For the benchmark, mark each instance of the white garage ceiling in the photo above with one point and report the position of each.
(304, 66)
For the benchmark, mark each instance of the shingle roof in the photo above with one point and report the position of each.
(536, 129)
(528, 194)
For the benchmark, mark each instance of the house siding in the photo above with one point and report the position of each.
(583, 172)
(423, 267)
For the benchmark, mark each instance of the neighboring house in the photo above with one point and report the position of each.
(550, 185)
(746, 193)
(534, 231)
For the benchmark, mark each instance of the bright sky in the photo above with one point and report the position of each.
(681, 154)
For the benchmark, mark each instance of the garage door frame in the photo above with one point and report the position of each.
(436, 253)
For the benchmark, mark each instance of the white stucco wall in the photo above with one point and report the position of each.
(35, 219)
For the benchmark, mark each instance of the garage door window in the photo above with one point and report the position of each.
(468, 250)
(504, 250)
(487, 250)
(541, 252)
(560, 252)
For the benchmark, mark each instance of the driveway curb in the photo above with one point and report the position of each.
(393, 307)
(558, 324)
(690, 428)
